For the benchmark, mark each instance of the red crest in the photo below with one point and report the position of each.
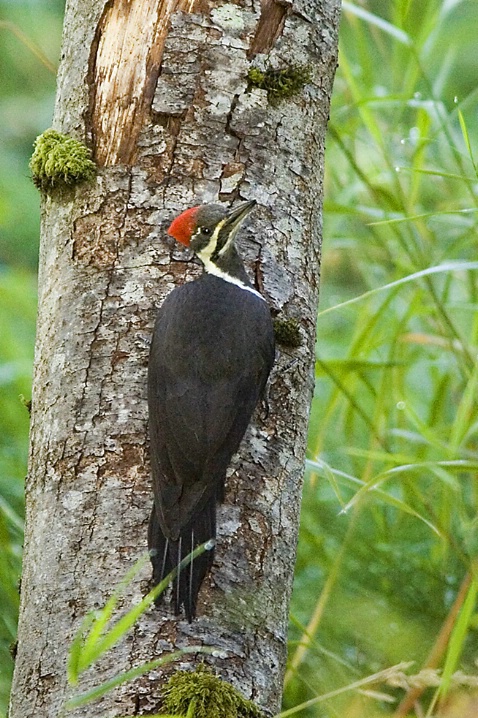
(183, 226)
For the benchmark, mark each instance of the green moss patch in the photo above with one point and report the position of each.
(59, 160)
(287, 332)
(201, 694)
(280, 84)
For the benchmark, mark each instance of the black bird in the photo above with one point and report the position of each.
(211, 354)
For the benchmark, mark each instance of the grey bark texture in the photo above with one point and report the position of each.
(158, 89)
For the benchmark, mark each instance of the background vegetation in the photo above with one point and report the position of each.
(387, 553)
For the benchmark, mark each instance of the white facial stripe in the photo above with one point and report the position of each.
(211, 268)
(206, 253)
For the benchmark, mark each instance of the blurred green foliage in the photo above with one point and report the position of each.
(389, 528)
(17, 321)
(388, 533)
(29, 49)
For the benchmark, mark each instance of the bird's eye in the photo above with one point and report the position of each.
(205, 230)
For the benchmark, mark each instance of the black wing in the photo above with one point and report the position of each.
(212, 351)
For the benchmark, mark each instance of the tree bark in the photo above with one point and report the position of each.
(158, 89)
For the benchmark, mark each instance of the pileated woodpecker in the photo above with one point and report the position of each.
(212, 351)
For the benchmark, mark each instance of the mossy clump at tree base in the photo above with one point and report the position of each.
(287, 332)
(201, 694)
(280, 84)
(59, 160)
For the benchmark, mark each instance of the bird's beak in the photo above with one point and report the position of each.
(238, 214)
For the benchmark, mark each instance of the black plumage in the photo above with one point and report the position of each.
(211, 354)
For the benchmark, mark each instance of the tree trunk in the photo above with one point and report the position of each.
(158, 89)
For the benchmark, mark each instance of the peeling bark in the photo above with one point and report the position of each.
(270, 25)
(124, 65)
(172, 125)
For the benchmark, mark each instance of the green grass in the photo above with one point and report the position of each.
(29, 34)
(386, 573)
(389, 532)
(17, 316)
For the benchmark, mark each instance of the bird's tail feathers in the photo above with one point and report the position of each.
(166, 555)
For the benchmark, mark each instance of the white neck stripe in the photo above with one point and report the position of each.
(211, 268)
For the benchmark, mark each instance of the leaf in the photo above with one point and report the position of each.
(457, 638)
(448, 267)
(130, 675)
(87, 649)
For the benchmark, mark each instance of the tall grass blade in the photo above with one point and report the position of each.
(130, 675)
